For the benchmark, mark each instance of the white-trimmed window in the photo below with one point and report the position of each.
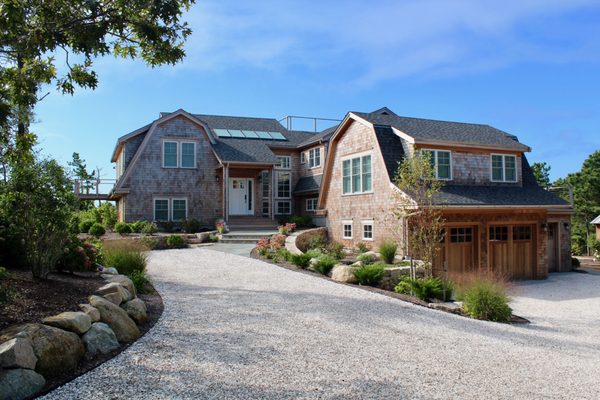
(179, 209)
(441, 162)
(314, 157)
(367, 229)
(283, 184)
(311, 204)
(284, 162)
(357, 175)
(170, 155)
(161, 209)
(302, 157)
(188, 154)
(503, 168)
(347, 229)
(283, 207)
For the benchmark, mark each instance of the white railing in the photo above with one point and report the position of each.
(93, 187)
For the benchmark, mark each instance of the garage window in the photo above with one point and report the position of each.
(461, 235)
(499, 233)
(522, 232)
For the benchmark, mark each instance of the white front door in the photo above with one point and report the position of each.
(241, 201)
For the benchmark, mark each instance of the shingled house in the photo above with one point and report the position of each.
(252, 171)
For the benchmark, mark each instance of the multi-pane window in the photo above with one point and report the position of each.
(170, 154)
(161, 209)
(179, 209)
(314, 157)
(265, 208)
(347, 229)
(367, 233)
(264, 181)
(522, 232)
(188, 155)
(357, 175)
(504, 168)
(302, 157)
(441, 162)
(461, 235)
(499, 233)
(283, 185)
(311, 204)
(284, 207)
(284, 162)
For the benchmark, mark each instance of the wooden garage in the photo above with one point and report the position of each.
(458, 251)
(512, 250)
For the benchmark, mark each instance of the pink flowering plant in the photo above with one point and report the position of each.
(220, 227)
(80, 255)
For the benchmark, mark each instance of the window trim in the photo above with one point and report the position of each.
(154, 199)
(302, 157)
(311, 199)
(164, 142)
(289, 162)
(195, 165)
(348, 222)
(276, 210)
(173, 208)
(276, 188)
(368, 222)
(435, 162)
(503, 168)
(360, 157)
(312, 156)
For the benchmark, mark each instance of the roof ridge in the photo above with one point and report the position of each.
(428, 119)
(235, 116)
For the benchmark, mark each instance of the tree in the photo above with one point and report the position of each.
(79, 171)
(541, 171)
(34, 34)
(418, 210)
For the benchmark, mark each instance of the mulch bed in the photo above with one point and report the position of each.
(34, 300)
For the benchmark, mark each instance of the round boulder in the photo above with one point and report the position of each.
(17, 353)
(91, 312)
(17, 384)
(123, 281)
(78, 322)
(100, 339)
(136, 309)
(125, 329)
(344, 273)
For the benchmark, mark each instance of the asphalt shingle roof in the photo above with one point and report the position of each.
(244, 150)
(308, 184)
(391, 149)
(457, 132)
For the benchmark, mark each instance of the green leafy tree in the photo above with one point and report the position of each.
(79, 171)
(541, 171)
(35, 34)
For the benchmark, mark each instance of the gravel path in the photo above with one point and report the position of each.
(239, 328)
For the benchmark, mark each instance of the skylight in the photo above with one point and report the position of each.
(222, 133)
(244, 134)
(236, 133)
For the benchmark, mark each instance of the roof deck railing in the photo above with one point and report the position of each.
(563, 190)
(93, 189)
(289, 121)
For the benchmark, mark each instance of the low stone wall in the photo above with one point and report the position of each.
(31, 353)
(302, 239)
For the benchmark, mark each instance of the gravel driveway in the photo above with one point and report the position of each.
(234, 327)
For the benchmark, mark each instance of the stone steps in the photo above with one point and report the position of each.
(252, 236)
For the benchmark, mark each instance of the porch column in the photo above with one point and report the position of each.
(225, 192)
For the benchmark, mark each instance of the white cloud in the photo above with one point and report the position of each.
(385, 39)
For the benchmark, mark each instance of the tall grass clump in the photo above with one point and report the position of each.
(484, 296)
(370, 275)
(126, 256)
(324, 264)
(426, 289)
(388, 251)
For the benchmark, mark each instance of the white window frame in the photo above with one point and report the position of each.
(368, 222)
(164, 142)
(173, 208)
(277, 207)
(312, 156)
(288, 161)
(347, 222)
(181, 154)
(360, 157)
(314, 201)
(154, 199)
(276, 188)
(302, 157)
(504, 156)
(435, 163)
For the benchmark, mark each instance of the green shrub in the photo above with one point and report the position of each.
(80, 256)
(150, 242)
(213, 238)
(176, 242)
(370, 275)
(191, 225)
(108, 214)
(425, 289)
(317, 242)
(149, 228)
(84, 226)
(6, 294)
(335, 250)
(362, 247)
(366, 258)
(137, 226)
(140, 281)
(301, 260)
(388, 251)
(324, 264)
(4, 274)
(125, 257)
(575, 262)
(122, 228)
(284, 254)
(97, 230)
(314, 253)
(486, 299)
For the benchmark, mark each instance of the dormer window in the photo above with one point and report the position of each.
(504, 168)
(441, 162)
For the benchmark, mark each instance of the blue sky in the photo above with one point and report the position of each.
(529, 67)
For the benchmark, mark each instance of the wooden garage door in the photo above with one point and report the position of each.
(458, 250)
(511, 250)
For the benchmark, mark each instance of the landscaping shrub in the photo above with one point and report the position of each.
(370, 275)
(317, 242)
(97, 229)
(5, 293)
(213, 238)
(324, 264)
(221, 227)
(575, 263)
(263, 246)
(283, 230)
(84, 226)
(150, 242)
(80, 256)
(277, 242)
(301, 260)
(279, 255)
(149, 228)
(176, 242)
(108, 214)
(301, 220)
(366, 258)
(484, 297)
(314, 253)
(126, 257)
(335, 250)
(122, 228)
(426, 289)
(191, 226)
(137, 226)
(362, 247)
(140, 281)
(388, 251)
